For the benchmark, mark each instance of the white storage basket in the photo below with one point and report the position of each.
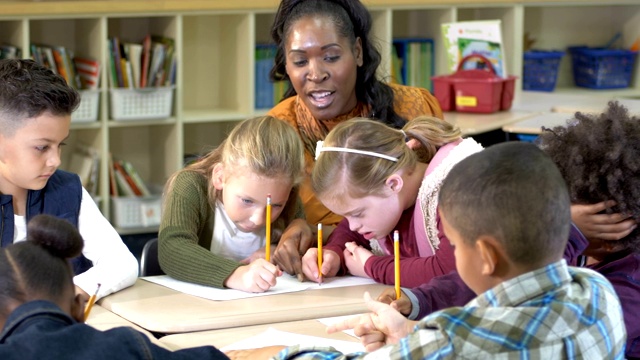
(138, 104)
(87, 111)
(136, 211)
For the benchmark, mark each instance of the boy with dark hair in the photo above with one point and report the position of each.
(506, 211)
(35, 117)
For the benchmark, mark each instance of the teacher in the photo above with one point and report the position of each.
(325, 52)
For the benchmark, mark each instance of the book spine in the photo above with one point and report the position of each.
(133, 173)
(128, 181)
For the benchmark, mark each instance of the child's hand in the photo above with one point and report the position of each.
(294, 242)
(594, 225)
(383, 326)
(355, 257)
(258, 276)
(260, 353)
(330, 264)
(403, 305)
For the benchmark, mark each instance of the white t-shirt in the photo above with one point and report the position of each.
(230, 242)
(114, 267)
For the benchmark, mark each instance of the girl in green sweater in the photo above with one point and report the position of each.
(213, 222)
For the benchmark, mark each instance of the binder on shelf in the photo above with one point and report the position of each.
(412, 62)
(267, 92)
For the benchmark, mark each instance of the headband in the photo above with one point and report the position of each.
(321, 148)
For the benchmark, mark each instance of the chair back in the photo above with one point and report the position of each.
(149, 264)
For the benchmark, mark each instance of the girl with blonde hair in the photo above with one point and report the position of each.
(213, 222)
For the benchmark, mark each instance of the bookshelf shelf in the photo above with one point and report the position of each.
(141, 122)
(215, 47)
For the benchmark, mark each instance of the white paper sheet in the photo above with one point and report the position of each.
(286, 283)
(272, 337)
(341, 281)
(336, 319)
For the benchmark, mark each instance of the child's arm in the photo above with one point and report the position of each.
(186, 213)
(113, 264)
(413, 270)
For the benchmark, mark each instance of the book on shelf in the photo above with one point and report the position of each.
(267, 93)
(135, 177)
(483, 37)
(85, 161)
(134, 54)
(88, 70)
(168, 59)
(126, 181)
(413, 62)
(145, 58)
(113, 186)
(117, 56)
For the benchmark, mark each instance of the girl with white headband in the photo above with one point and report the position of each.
(370, 174)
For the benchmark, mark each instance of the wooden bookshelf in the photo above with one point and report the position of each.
(215, 43)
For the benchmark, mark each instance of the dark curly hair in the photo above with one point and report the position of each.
(28, 89)
(599, 158)
(352, 20)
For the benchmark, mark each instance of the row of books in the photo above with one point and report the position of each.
(412, 62)
(79, 72)
(151, 63)
(124, 180)
(267, 93)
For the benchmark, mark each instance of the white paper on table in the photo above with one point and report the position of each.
(271, 337)
(336, 319)
(342, 281)
(285, 284)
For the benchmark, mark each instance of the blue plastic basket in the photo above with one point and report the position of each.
(540, 70)
(597, 68)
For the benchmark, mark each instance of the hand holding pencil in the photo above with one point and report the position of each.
(92, 300)
(294, 242)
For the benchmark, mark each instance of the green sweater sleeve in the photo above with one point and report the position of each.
(186, 229)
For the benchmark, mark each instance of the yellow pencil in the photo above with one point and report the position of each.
(268, 222)
(320, 252)
(92, 300)
(396, 260)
